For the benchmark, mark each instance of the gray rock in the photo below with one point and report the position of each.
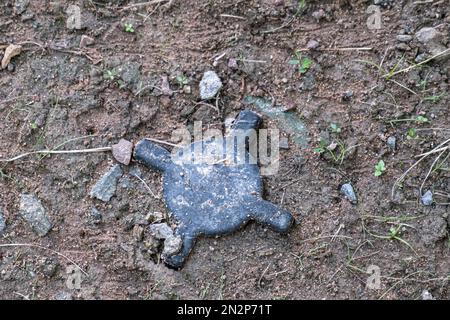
(348, 192)
(309, 82)
(312, 44)
(106, 187)
(2, 222)
(134, 219)
(63, 296)
(34, 213)
(232, 64)
(210, 85)
(161, 231)
(427, 35)
(172, 245)
(427, 198)
(347, 95)
(433, 229)
(426, 295)
(95, 216)
(404, 38)
(20, 6)
(391, 142)
(284, 143)
(432, 41)
(130, 74)
(421, 57)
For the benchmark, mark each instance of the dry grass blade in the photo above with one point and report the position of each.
(440, 148)
(102, 149)
(44, 248)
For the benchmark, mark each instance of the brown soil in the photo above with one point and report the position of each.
(55, 91)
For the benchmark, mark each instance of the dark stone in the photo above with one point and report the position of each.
(209, 196)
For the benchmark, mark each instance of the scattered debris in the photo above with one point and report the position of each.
(427, 198)
(34, 213)
(105, 188)
(209, 85)
(11, 51)
(348, 192)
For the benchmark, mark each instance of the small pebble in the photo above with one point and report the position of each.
(161, 231)
(391, 142)
(106, 187)
(404, 38)
(427, 198)
(347, 95)
(2, 222)
(312, 44)
(284, 143)
(34, 213)
(209, 85)
(172, 245)
(95, 216)
(426, 295)
(348, 192)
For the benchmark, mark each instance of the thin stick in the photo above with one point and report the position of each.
(146, 185)
(163, 142)
(44, 248)
(422, 157)
(101, 149)
(429, 171)
(142, 4)
(232, 16)
(418, 64)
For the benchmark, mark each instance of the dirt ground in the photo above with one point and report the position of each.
(111, 86)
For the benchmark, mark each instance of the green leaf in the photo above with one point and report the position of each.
(411, 133)
(294, 62)
(319, 150)
(421, 119)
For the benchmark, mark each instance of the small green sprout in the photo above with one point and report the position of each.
(411, 133)
(434, 98)
(322, 146)
(379, 168)
(128, 27)
(303, 63)
(182, 80)
(110, 74)
(33, 125)
(421, 119)
(335, 128)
